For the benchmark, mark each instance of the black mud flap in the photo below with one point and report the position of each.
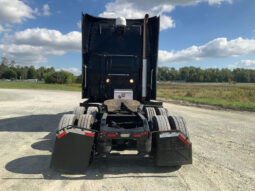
(72, 152)
(172, 149)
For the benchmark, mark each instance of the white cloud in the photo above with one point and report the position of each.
(75, 71)
(166, 22)
(1, 29)
(32, 46)
(212, 2)
(46, 10)
(7, 28)
(37, 12)
(217, 48)
(133, 10)
(138, 8)
(15, 11)
(249, 64)
(178, 2)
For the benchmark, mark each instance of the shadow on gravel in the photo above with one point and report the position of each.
(32, 123)
(122, 167)
(116, 166)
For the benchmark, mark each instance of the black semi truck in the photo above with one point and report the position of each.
(119, 75)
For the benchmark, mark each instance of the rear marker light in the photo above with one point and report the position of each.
(111, 134)
(89, 134)
(146, 133)
(61, 134)
(137, 135)
(184, 140)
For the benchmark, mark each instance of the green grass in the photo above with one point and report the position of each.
(40, 85)
(226, 95)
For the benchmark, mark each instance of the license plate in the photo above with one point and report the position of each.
(125, 135)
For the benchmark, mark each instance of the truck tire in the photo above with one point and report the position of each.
(150, 112)
(79, 111)
(162, 111)
(161, 123)
(67, 120)
(179, 123)
(92, 111)
(86, 121)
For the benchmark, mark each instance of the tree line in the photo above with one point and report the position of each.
(194, 74)
(9, 70)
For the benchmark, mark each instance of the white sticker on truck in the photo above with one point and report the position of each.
(167, 134)
(123, 94)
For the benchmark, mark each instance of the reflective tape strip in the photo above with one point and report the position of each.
(184, 140)
(61, 134)
(89, 134)
(137, 135)
(111, 134)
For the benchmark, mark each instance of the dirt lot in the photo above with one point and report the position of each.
(223, 150)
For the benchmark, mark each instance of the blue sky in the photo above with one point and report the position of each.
(201, 33)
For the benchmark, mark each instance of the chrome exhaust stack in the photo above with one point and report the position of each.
(144, 71)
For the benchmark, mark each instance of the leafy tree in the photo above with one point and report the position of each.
(31, 73)
(241, 75)
(9, 74)
(227, 75)
(78, 79)
(60, 77)
(40, 72)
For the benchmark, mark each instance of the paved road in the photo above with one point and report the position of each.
(223, 150)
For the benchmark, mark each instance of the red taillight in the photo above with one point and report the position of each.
(111, 134)
(146, 133)
(184, 140)
(103, 133)
(61, 134)
(137, 135)
(89, 134)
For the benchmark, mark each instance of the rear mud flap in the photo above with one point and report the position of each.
(172, 149)
(72, 152)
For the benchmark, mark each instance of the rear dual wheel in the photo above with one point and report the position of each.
(67, 120)
(150, 112)
(92, 111)
(86, 121)
(162, 111)
(79, 111)
(179, 123)
(82, 110)
(162, 146)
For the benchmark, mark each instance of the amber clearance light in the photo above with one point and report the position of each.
(107, 80)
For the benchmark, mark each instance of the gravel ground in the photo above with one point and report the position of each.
(223, 150)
